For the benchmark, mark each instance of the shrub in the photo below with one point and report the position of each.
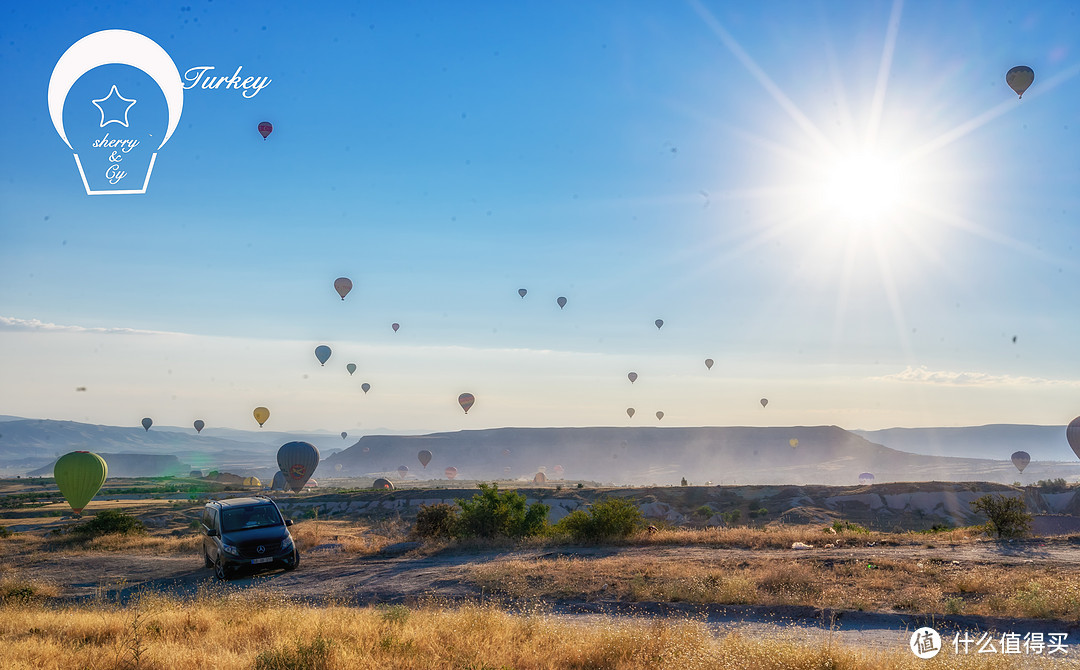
(841, 526)
(4, 532)
(111, 521)
(731, 517)
(761, 511)
(314, 656)
(580, 485)
(1006, 517)
(704, 512)
(439, 520)
(1058, 485)
(493, 514)
(608, 519)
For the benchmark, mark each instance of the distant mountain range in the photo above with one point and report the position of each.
(729, 455)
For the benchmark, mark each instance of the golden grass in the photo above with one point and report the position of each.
(264, 631)
(902, 585)
(782, 537)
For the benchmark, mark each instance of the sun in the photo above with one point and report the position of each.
(863, 189)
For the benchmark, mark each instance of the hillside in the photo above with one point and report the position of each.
(996, 441)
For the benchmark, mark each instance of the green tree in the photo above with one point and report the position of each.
(607, 519)
(438, 520)
(1005, 517)
(493, 514)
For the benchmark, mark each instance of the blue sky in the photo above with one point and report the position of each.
(645, 160)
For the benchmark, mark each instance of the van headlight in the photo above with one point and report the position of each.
(229, 549)
(286, 543)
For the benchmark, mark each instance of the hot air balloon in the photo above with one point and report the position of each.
(466, 401)
(866, 478)
(395, 326)
(1021, 459)
(252, 481)
(261, 414)
(450, 472)
(265, 128)
(659, 323)
(351, 367)
(794, 442)
(558, 470)
(322, 352)
(381, 483)
(310, 484)
(539, 478)
(708, 363)
(1072, 434)
(424, 457)
(403, 470)
(79, 476)
(1019, 78)
(365, 387)
(764, 401)
(630, 412)
(343, 285)
(344, 435)
(522, 292)
(659, 415)
(562, 301)
(279, 481)
(199, 425)
(147, 422)
(632, 377)
(298, 461)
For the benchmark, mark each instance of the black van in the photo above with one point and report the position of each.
(246, 533)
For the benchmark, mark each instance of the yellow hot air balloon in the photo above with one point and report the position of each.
(79, 476)
(261, 414)
(793, 442)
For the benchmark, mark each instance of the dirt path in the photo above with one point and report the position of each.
(332, 576)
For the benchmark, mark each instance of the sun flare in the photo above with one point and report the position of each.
(863, 189)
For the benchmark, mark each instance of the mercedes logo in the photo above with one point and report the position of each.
(261, 549)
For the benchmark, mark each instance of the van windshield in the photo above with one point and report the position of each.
(249, 516)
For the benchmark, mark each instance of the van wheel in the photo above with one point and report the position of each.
(295, 562)
(207, 563)
(219, 570)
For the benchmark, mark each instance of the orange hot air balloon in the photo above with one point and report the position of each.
(265, 128)
(261, 414)
(450, 472)
(466, 401)
(343, 285)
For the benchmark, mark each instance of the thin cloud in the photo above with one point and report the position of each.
(921, 375)
(36, 326)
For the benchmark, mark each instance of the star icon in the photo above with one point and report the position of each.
(115, 105)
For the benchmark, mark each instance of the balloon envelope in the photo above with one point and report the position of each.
(1021, 459)
(79, 476)
(522, 292)
(261, 414)
(1072, 434)
(344, 435)
(632, 377)
(365, 387)
(451, 472)
(395, 326)
(708, 363)
(424, 457)
(1019, 78)
(793, 442)
(659, 323)
(558, 470)
(147, 422)
(466, 401)
(322, 352)
(351, 367)
(630, 412)
(265, 128)
(279, 482)
(764, 401)
(298, 461)
(343, 285)
(539, 478)
(659, 415)
(381, 483)
(562, 302)
(403, 470)
(199, 425)
(866, 478)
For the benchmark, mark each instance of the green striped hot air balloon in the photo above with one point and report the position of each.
(79, 476)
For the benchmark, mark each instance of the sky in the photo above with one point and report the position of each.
(843, 205)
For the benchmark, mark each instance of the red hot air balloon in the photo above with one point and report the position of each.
(451, 472)
(343, 285)
(265, 128)
(466, 401)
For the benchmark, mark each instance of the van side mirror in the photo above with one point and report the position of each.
(213, 532)
(288, 522)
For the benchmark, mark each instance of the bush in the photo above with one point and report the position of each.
(731, 517)
(607, 519)
(439, 520)
(704, 512)
(841, 526)
(1058, 485)
(494, 514)
(1006, 517)
(314, 656)
(761, 511)
(111, 521)
(4, 532)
